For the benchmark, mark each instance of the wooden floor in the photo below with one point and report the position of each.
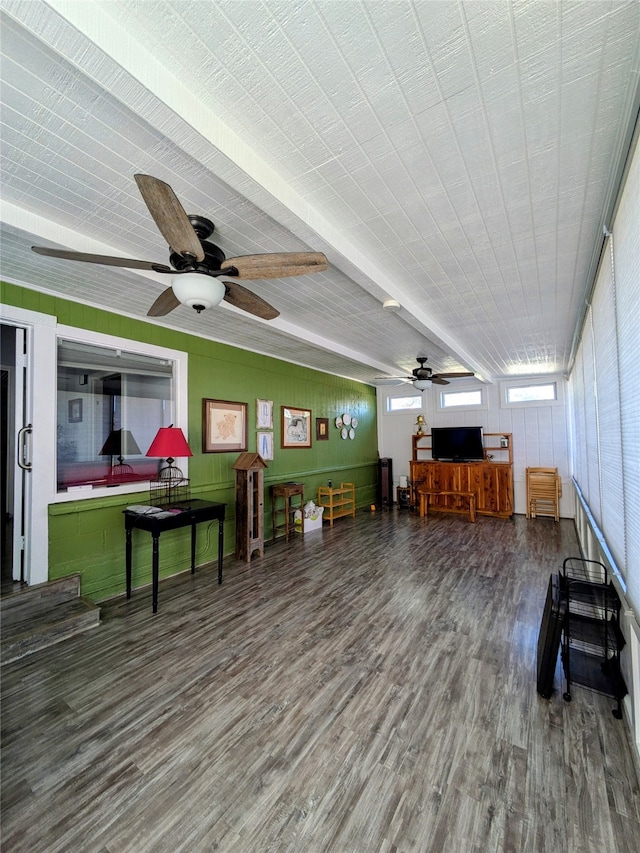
(370, 687)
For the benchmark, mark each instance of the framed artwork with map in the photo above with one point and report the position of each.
(224, 426)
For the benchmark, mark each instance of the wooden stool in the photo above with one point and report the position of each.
(425, 494)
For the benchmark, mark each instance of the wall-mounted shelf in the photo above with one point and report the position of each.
(497, 446)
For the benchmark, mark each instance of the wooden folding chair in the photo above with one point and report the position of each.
(544, 490)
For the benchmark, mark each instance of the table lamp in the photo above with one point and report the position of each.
(120, 442)
(169, 442)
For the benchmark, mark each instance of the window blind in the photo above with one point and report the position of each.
(626, 253)
(605, 339)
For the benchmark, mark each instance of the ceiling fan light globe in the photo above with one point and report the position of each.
(422, 384)
(198, 290)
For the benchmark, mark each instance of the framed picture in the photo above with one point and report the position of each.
(296, 427)
(322, 429)
(264, 444)
(224, 426)
(75, 411)
(264, 414)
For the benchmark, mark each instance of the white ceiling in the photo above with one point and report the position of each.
(460, 157)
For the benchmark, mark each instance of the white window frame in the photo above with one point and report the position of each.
(462, 389)
(181, 403)
(389, 411)
(556, 380)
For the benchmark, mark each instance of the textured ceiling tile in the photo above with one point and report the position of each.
(463, 150)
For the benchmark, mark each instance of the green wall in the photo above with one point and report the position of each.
(87, 536)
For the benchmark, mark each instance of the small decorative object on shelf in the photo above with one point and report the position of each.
(421, 424)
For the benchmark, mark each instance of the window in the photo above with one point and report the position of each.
(448, 399)
(531, 393)
(111, 401)
(404, 404)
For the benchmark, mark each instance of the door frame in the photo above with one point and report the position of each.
(40, 399)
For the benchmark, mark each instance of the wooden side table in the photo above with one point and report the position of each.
(282, 515)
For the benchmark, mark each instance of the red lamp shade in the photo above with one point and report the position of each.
(169, 443)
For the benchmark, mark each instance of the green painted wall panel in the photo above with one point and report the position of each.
(87, 537)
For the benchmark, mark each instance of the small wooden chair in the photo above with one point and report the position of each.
(544, 490)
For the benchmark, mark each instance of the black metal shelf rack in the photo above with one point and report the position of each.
(591, 636)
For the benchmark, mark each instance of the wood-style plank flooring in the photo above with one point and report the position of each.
(370, 687)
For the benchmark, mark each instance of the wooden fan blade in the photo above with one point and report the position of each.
(106, 260)
(438, 381)
(277, 265)
(453, 375)
(170, 217)
(240, 297)
(165, 303)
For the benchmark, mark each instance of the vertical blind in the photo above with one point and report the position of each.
(605, 390)
(608, 407)
(626, 251)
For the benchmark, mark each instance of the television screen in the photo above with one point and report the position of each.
(461, 444)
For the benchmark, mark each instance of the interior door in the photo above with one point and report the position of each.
(22, 479)
(28, 344)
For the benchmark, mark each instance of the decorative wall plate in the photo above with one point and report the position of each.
(344, 432)
(352, 433)
(339, 422)
(354, 422)
(346, 419)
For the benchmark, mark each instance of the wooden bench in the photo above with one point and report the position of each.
(425, 494)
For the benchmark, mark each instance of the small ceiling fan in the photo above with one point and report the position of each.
(196, 264)
(422, 377)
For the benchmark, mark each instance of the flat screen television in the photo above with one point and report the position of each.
(459, 444)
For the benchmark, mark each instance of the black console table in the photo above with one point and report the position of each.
(194, 512)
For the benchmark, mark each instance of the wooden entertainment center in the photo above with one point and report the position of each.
(491, 481)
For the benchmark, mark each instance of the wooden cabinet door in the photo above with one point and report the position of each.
(491, 501)
(473, 482)
(497, 489)
(504, 480)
